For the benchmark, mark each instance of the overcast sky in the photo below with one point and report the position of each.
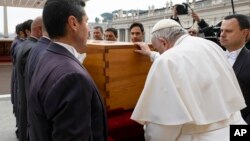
(93, 8)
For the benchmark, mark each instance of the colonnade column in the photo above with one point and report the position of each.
(118, 34)
(6, 34)
(126, 35)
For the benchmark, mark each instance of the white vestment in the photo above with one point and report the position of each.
(191, 89)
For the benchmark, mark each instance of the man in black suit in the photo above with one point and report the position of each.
(18, 39)
(21, 57)
(234, 31)
(35, 53)
(13, 85)
(64, 102)
(25, 33)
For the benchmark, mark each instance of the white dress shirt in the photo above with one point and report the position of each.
(73, 51)
(232, 56)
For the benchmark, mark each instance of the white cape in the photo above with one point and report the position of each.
(189, 83)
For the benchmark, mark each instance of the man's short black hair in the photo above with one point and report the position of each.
(242, 20)
(18, 28)
(26, 25)
(99, 27)
(111, 29)
(136, 24)
(56, 13)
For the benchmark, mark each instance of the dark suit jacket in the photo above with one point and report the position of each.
(242, 71)
(13, 52)
(64, 103)
(202, 25)
(21, 58)
(34, 55)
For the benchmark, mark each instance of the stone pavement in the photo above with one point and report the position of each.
(5, 77)
(7, 120)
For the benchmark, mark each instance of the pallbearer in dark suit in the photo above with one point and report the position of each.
(21, 57)
(24, 34)
(64, 102)
(18, 39)
(34, 55)
(234, 32)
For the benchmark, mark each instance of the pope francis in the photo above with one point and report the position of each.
(191, 92)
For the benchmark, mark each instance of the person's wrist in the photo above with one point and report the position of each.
(148, 53)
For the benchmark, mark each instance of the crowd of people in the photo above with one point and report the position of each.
(195, 88)
(136, 33)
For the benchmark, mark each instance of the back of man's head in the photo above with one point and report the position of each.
(36, 27)
(26, 28)
(18, 28)
(55, 22)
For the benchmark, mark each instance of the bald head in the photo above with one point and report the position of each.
(36, 27)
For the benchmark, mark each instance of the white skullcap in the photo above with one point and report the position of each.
(165, 23)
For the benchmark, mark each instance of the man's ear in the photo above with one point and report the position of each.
(247, 33)
(167, 45)
(73, 23)
(163, 41)
(27, 32)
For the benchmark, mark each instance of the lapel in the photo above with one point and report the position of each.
(240, 60)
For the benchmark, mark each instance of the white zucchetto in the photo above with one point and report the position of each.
(165, 23)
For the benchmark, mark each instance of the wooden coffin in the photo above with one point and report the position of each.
(118, 71)
(5, 45)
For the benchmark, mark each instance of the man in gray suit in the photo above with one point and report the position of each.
(64, 102)
(234, 32)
